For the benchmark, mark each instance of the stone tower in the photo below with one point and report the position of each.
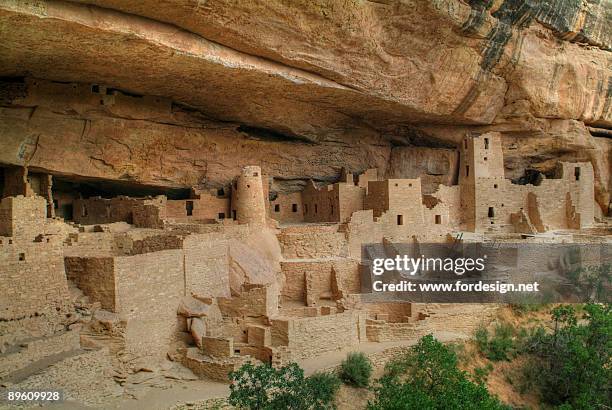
(248, 203)
(481, 159)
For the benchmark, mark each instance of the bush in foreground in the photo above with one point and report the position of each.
(264, 387)
(573, 368)
(356, 370)
(427, 377)
(499, 346)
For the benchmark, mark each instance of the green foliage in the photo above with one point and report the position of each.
(356, 370)
(525, 308)
(322, 388)
(498, 347)
(427, 377)
(481, 374)
(264, 387)
(574, 367)
(592, 283)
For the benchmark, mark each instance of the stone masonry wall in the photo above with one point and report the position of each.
(32, 277)
(311, 336)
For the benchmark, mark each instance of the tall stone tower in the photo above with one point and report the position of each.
(481, 159)
(248, 202)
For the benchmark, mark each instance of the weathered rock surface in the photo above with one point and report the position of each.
(301, 88)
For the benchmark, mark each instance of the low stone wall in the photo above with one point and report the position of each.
(311, 336)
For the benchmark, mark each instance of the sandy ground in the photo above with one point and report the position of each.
(201, 390)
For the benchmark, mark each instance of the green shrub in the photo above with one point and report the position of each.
(524, 308)
(427, 377)
(481, 374)
(498, 347)
(262, 387)
(574, 369)
(322, 388)
(356, 370)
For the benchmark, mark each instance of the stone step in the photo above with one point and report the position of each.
(39, 366)
(81, 374)
(29, 351)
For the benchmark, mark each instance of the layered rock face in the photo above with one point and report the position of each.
(177, 93)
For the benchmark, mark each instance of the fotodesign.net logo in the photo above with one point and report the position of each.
(409, 266)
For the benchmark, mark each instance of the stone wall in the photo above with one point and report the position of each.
(206, 265)
(149, 289)
(287, 208)
(311, 336)
(32, 277)
(206, 206)
(312, 241)
(95, 276)
(97, 210)
(23, 217)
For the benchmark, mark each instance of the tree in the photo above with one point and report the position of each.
(427, 377)
(574, 370)
(264, 387)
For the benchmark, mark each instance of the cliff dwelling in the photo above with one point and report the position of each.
(182, 194)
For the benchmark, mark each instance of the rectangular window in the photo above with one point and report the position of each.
(491, 212)
(22, 256)
(486, 143)
(189, 208)
(220, 192)
(467, 170)
(577, 173)
(221, 215)
(294, 208)
(277, 208)
(400, 219)
(438, 219)
(234, 215)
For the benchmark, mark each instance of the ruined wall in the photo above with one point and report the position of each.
(149, 288)
(23, 217)
(314, 241)
(99, 210)
(310, 336)
(206, 207)
(150, 213)
(287, 207)
(206, 265)
(32, 277)
(95, 276)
